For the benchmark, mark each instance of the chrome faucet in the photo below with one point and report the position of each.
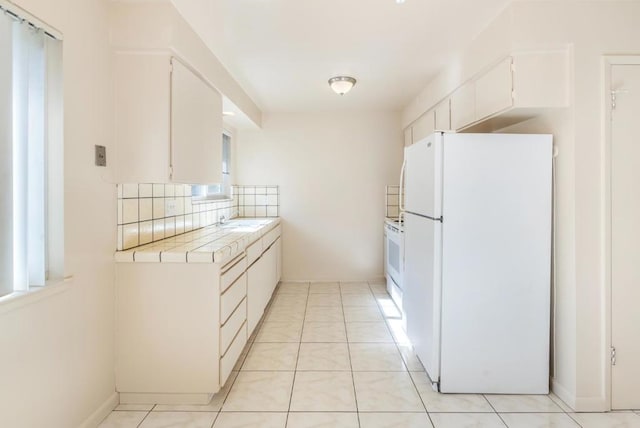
(222, 219)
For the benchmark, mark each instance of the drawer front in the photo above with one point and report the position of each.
(233, 353)
(231, 297)
(233, 273)
(254, 251)
(271, 236)
(231, 327)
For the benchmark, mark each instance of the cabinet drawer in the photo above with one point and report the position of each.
(231, 297)
(231, 327)
(231, 357)
(270, 237)
(254, 251)
(233, 273)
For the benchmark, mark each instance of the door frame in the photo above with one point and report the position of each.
(607, 62)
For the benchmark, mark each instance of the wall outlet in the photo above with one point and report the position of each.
(101, 155)
(170, 207)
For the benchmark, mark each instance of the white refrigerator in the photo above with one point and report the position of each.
(478, 260)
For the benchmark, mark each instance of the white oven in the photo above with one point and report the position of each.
(394, 259)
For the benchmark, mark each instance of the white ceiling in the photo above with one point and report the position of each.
(283, 51)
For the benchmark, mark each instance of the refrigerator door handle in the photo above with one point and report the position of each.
(400, 198)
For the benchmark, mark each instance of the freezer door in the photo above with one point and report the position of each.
(422, 289)
(423, 177)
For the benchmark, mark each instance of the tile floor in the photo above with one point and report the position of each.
(333, 355)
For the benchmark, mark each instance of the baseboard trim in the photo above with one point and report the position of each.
(591, 404)
(562, 393)
(162, 398)
(579, 404)
(101, 412)
(375, 280)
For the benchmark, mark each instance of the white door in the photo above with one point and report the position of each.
(423, 177)
(625, 236)
(422, 289)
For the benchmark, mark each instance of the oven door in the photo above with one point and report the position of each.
(394, 255)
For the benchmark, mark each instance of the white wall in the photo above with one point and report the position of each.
(332, 169)
(591, 29)
(56, 363)
(160, 25)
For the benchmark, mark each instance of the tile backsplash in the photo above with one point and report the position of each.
(257, 201)
(151, 212)
(392, 201)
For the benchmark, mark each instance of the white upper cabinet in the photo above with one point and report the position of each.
(168, 121)
(443, 116)
(463, 106)
(494, 90)
(517, 88)
(196, 128)
(424, 126)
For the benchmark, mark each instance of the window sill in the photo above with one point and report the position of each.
(205, 199)
(18, 299)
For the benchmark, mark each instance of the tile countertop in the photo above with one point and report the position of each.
(211, 244)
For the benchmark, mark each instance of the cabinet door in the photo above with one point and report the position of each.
(256, 280)
(142, 98)
(443, 116)
(196, 128)
(463, 111)
(272, 271)
(424, 126)
(408, 136)
(494, 90)
(278, 245)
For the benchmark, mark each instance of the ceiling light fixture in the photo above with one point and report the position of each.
(399, 1)
(228, 113)
(342, 84)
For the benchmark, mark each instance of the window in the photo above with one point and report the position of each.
(218, 190)
(31, 220)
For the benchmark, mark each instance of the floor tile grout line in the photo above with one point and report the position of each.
(406, 366)
(295, 370)
(495, 411)
(353, 380)
(573, 419)
(145, 417)
(257, 330)
(216, 418)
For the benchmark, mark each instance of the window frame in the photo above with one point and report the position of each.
(224, 192)
(51, 167)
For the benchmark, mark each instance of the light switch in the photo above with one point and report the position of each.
(101, 155)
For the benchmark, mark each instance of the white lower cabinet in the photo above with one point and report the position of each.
(181, 327)
(262, 277)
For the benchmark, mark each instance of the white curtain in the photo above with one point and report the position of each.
(28, 81)
(6, 178)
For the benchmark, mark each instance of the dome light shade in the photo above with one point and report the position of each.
(342, 84)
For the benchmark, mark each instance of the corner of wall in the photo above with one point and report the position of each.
(101, 412)
(563, 393)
